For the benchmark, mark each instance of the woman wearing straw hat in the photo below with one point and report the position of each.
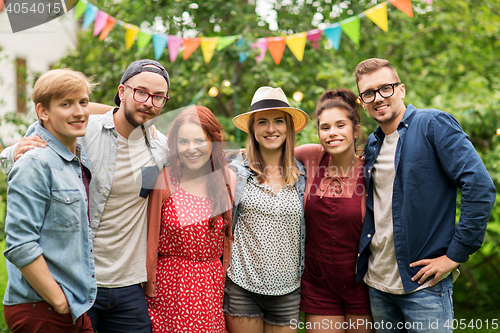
(262, 291)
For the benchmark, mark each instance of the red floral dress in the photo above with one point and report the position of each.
(189, 278)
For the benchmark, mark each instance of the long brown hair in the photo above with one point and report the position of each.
(213, 132)
(289, 171)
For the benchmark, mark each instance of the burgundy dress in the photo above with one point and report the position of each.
(333, 228)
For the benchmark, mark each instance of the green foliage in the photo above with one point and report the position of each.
(3, 285)
(472, 288)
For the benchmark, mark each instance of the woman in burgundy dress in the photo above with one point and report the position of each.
(334, 203)
(189, 229)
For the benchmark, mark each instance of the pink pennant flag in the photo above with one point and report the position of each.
(314, 36)
(174, 44)
(100, 22)
(262, 46)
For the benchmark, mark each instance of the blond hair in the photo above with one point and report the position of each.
(58, 83)
(371, 65)
(289, 171)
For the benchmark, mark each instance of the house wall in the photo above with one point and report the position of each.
(41, 47)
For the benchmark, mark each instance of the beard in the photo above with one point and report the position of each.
(129, 115)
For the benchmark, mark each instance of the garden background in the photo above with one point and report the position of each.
(447, 56)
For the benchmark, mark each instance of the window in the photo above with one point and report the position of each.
(21, 86)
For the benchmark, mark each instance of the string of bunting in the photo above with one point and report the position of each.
(105, 23)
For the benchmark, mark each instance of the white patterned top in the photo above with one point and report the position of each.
(265, 257)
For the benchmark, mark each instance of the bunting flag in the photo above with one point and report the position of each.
(403, 5)
(297, 43)
(208, 46)
(314, 36)
(276, 46)
(190, 45)
(174, 44)
(378, 15)
(334, 32)
(262, 46)
(69, 3)
(143, 39)
(159, 44)
(90, 15)
(242, 44)
(104, 24)
(131, 32)
(351, 28)
(107, 28)
(80, 8)
(225, 42)
(100, 22)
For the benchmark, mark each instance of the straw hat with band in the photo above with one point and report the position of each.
(267, 98)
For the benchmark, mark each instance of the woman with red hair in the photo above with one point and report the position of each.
(189, 228)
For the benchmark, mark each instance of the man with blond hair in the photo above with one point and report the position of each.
(410, 247)
(50, 262)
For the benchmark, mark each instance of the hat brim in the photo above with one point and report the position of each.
(117, 99)
(299, 117)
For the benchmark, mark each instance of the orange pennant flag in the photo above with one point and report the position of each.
(403, 5)
(107, 28)
(297, 43)
(276, 46)
(378, 15)
(190, 45)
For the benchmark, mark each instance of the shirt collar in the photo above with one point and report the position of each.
(54, 143)
(405, 122)
(107, 120)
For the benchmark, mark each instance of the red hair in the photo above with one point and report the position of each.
(213, 132)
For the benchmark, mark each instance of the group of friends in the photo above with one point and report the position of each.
(114, 227)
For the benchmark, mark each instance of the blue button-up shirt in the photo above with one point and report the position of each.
(47, 215)
(434, 158)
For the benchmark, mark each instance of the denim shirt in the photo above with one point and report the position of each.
(47, 215)
(242, 170)
(101, 144)
(434, 158)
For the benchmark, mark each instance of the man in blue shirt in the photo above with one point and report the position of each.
(49, 254)
(410, 247)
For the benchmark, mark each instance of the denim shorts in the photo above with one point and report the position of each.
(275, 310)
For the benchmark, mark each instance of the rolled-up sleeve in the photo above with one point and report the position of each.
(28, 196)
(463, 165)
(7, 159)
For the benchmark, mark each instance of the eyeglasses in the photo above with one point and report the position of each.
(384, 91)
(141, 96)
